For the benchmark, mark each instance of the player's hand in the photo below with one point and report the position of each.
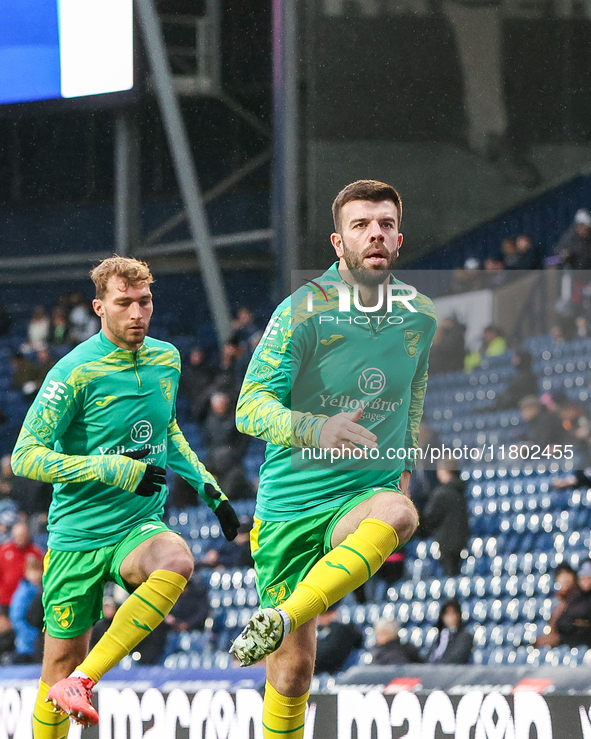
(154, 476)
(226, 514)
(343, 431)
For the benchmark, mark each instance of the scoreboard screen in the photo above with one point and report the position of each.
(58, 49)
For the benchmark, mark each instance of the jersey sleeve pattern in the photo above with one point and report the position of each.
(263, 405)
(34, 455)
(418, 386)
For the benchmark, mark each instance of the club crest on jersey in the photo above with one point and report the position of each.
(64, 615)
(166, 387)
(411, 339)
(278, 593)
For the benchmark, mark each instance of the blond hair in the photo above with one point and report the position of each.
(131, 271)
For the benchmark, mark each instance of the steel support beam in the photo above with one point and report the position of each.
(127, 183)
(286, 210)
(184, 166)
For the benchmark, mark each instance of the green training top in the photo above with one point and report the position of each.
(315, 360)
(98, 402)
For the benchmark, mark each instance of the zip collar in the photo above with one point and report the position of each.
(110, 347)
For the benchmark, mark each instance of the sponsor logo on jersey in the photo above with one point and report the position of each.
(278, 593)
(274, 330)
(372, 381)
(411, 339)
(105, 401)
(333, 338)
(141, 432)
(347, 403)
(158, 448)
(166, 387)
(54, 392)
(64, 615)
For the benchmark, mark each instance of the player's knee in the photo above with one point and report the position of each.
(404, 518)
(409, 520)
(179, 562)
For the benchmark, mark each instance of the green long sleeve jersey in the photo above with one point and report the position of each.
(315, 360)
(96, 403)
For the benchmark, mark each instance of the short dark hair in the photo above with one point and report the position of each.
(372, 190)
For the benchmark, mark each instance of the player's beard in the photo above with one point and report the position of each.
(124, 335)
(368, 276)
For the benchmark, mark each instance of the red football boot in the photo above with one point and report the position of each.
(73, 695)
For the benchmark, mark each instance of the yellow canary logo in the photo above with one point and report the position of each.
(278, 593)
(64, 615)
(333, 338)
(105, 401)
(411, 339)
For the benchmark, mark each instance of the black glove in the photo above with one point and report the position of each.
(226, 514)
(153, 478)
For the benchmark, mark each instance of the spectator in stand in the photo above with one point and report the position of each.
(191, 610)
(26, 635)
(6, 640)
(524, 382)
(59, 326)
(336, 641)
(38, 330)
(244, 326)
(26, 376)
(423, 479)
(5, 321)
(496, 277)
(453, 645)
(557, 333)
(567, 591)
(447, 353)
(13, 557)
(582, 328)
(529, 255)
(509, 254)
(493, 344)
(226, 448)
(31, 496)
(82, 321)
(573, 625)
(227, 379)
(445, 516)
(574, 246)
(196, 379)
(388, 650)
(44, 361)
(544, 427)
(8, 517)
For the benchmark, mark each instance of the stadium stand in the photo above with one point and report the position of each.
(521, 527)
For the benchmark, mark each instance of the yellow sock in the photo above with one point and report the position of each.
(145, 608)
(283, 716)
(342, 570)
(46, 723)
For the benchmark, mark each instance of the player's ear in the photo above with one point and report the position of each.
(97, 306)
(337, 241)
